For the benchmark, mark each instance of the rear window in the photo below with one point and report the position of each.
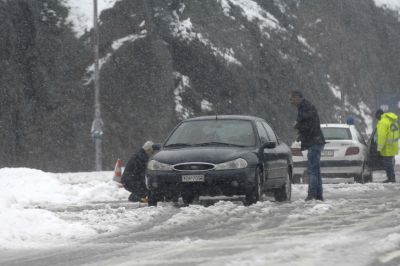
(331, 133)
(235, 132)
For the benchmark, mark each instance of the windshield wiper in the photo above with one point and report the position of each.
(179, 145)
(216, 143)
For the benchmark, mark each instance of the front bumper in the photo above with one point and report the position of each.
(216, 182)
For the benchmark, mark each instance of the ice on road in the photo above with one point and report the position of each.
(84, 219)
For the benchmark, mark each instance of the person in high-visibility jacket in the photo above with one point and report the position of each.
(388, 141)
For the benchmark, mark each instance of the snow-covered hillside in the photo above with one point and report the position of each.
(389, 4)
(81, 13)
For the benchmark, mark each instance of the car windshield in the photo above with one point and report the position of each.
(338, 133)
(222, 132)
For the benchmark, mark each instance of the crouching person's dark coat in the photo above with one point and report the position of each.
(133, 177)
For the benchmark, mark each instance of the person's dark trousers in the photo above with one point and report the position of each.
(138, 190)
(314, 172)
(389, 168)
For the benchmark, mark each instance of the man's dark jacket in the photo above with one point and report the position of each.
(133, 177)
(308, 125)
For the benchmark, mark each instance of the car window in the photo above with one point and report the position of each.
(270, 132)
(338, 133)
(262, 132)
(221, 131)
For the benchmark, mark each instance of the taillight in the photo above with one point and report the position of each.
(296, 152)
(352, 150)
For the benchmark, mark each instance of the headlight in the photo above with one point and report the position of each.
(157, 166)
(235, 164)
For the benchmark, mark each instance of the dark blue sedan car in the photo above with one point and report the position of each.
(220, 155)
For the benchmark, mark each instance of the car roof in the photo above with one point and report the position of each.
(336, 125)
(233, 117)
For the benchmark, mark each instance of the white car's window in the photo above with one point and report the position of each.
(213, 132)
(336, 133)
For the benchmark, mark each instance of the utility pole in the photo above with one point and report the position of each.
(343, 79)
(97, 125)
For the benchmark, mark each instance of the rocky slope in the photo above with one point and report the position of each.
(166, 60)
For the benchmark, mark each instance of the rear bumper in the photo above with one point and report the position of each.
(339, 168)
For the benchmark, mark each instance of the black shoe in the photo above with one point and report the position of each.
(389, 181)
(134, 198)
(308, 198)
(319, 198)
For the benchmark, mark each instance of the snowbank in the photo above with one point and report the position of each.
(25, 192)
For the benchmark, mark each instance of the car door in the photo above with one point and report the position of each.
(281, 152)
(269, 159)
(374, 159)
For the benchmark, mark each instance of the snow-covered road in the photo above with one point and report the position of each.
(84, 219)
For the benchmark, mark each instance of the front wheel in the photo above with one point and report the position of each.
(255, 193)
(152, 199)
(188, 197)
(285, 192)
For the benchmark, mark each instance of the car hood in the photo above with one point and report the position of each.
(213, 155)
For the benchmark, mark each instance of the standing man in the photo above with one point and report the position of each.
(310, 135)
(133, 178)
(387, 141)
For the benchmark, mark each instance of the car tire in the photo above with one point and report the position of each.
(305, 178)
(285, 192)
(296, 179)
(188, 198)
(152, 199)
(255, 193)
(359, 179)
(362, 178)
(368, 178)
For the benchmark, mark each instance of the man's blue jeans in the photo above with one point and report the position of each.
(314, 172)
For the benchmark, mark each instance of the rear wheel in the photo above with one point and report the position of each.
(285, 192)
(255, 193)
(359, 179)
(365, 176)
(296, 179)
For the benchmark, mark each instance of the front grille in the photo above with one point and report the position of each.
(194, 166)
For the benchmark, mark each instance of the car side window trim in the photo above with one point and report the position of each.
(262, 133)
(271, 133)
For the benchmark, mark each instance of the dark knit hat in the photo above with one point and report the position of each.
(379, 113)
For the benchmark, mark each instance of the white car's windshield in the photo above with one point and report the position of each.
(222, 132)
(336, 133)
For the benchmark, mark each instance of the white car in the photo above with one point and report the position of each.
(344, 156)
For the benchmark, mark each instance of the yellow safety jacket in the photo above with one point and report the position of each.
(388, 134)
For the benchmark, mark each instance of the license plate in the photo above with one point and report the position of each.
(192, 178)
(327, 153)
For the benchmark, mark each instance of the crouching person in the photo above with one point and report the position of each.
(133, 178)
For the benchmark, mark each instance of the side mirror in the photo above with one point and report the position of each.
(156, 146)
(266, 145)
(269, 145)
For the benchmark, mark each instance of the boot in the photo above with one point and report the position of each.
(133, 198)
(389, 181)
